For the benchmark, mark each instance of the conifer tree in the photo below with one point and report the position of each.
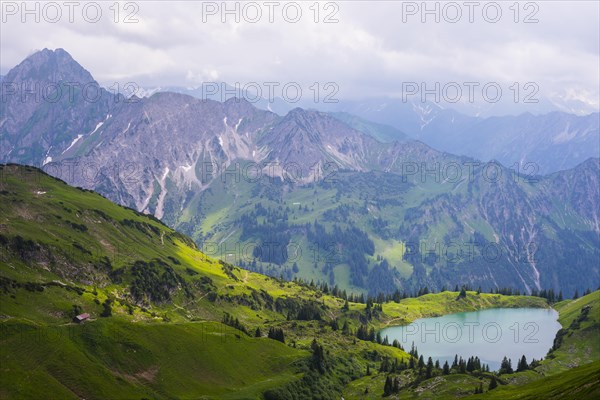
(446, 368)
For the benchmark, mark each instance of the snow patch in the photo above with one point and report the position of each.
(47, 160)
(73, 143)
(97, 127)
(238, 124)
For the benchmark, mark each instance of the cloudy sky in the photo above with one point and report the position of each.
(368, 49)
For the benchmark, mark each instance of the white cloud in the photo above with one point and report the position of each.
(370, 51)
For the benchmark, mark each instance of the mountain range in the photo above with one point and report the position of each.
(367, 212)
(539, 144)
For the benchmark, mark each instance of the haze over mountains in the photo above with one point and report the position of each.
(541, 143)
(230, 173)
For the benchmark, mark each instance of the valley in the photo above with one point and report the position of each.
(324, 200)
(167, 320)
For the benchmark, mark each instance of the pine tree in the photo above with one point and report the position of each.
(277, 334)
(462, 366)
(106, 308)
(257, 333)
(386, 341)
(318, 357)
(346, 306)
(345, 328)
(446, 369)
(372, 334)
(522, 364)
(334, 325)
(388, 387)
(470, 367)
(506, 366)
(429, 370)
(396, 385)
(493, 383)
(385, 365)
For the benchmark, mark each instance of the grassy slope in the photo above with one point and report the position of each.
(575, 384)
(111, 358)
(126, 356)
(582, 345)
(434, 305)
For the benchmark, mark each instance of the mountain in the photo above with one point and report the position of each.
(221, 92)
(538, 144)
(546, 142)
(379, 231)
(165, 320)
(309, 195)
(48, 101)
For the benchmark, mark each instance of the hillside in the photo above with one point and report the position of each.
(166, 320)
(67, 249)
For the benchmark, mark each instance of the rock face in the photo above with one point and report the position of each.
(170, 153)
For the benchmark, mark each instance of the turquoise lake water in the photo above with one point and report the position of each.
(488, 334)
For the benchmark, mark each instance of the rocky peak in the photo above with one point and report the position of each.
(50, 66)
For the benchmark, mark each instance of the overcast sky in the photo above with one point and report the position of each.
(368, 49)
